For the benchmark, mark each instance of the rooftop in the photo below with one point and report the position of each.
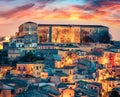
(112, 79)
(95, 83)
(37, 62)
(116, 89)
(50, 90)
(61, 85)
(5, 87)
(72, 25)
(32, 93)
(112, 50)
(61, 74)
(68, 67)
(14, 82)
(57, 57)
(46, 44)
(95, 54)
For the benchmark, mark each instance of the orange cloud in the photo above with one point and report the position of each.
(100, 11)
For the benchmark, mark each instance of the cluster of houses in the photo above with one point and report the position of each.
(49, 69)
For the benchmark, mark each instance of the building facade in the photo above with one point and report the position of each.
(33, 69)
(27, 28)
(27, 36)
(63, 33)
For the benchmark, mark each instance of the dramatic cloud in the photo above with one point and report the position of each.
(47, 1)
(104, 12)
(9, 14)
(7, 0)
(92, 9)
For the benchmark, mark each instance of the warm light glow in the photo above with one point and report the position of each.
(71, 78)
(59, 65)
(44, 75)
(68, 61)
(65, 34)
(7, 39)
(67, 93)
(104, 61)
(74, 17)
(117, 59)
(1, 75)
(1, 47)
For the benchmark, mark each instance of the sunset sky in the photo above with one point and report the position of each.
(101, 12)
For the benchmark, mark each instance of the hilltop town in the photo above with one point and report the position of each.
(59, 60)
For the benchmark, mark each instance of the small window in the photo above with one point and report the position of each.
(70, 71)
(66, 80)
(20, 90)
(91, 87)
(36, 67)
(18, 68)
(38, 73)
(24, 68)
(76, 76)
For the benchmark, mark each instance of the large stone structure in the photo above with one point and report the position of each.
(58, 33)
(61, 33)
